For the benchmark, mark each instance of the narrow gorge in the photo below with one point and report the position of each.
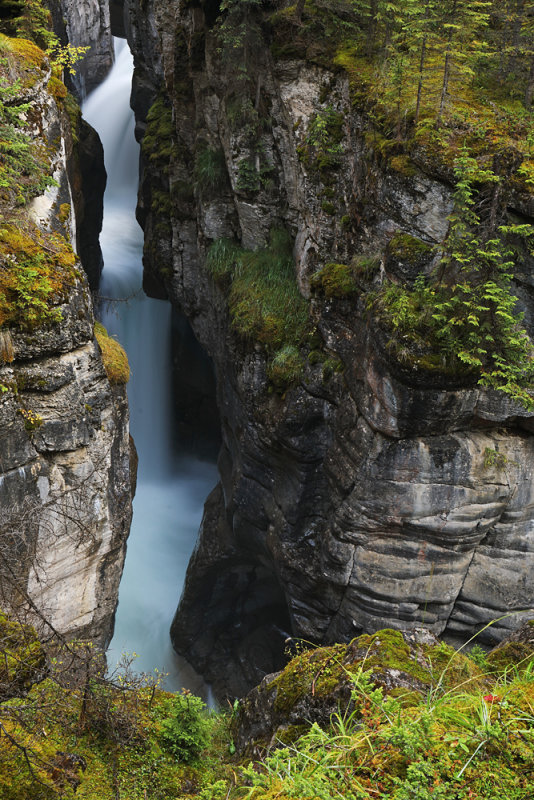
(366, 479)
(333, 278)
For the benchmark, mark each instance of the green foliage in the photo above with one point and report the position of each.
(185, 726)
(406, 248)
(239, 34)
(286, 367)
(29, 19)
(37, 270)
(80, 733)
(248, 179)
(264, 300)
(24, 163)
(322, 146)
(23, 659)
(479, 656)
(466, 320)
(209, 172)
(377, 746)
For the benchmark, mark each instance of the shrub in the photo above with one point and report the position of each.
(185, 729)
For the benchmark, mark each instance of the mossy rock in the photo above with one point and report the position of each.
(320, 682)
(407, 256)
(23, 661)
(335, 280)
(114, 357)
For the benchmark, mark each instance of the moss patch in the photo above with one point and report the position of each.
(114, 357)
(335, 280)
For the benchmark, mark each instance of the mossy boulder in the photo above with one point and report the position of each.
(319, 682)
(23, 660)
(407, 256)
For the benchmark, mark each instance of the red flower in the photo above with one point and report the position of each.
(491, 698)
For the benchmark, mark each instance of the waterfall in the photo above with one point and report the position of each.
(171, 488)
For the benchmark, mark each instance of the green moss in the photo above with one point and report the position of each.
(328, 208)
(335, 280)
(516, 656)
(158, 140)
(390, 660)
(409, 249)
(23, 659)
(317, 670)
(286, 367)
(114, 357)
(403, 165)
(161, 202)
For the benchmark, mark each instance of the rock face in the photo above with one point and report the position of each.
(65, 487)
(86, 23)
(65, 476)
(366, 495)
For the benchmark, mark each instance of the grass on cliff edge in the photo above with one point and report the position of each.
(469, 735)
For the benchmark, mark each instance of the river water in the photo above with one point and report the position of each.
(171, 487)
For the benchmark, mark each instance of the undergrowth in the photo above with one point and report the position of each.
(467, 734)
(37, 271)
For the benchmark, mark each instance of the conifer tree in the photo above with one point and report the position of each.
(461, 21)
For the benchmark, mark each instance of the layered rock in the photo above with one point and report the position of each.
(375, 495)
(65, 476)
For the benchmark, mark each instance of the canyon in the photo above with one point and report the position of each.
(360, 488)
(366, 493)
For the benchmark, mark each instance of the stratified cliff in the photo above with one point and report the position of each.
(65, 477)
(365, 481)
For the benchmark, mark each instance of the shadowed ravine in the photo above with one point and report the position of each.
(171, 487)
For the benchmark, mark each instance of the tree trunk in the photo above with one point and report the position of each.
(529, 93)
(420, 81)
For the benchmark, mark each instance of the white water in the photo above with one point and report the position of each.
(171, 489)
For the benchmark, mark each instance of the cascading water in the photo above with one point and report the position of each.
(170, 490)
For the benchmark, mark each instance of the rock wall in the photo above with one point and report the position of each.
(365, 495)
(86, 23)
(66, 482)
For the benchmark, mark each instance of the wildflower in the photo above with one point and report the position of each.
(491, 698)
